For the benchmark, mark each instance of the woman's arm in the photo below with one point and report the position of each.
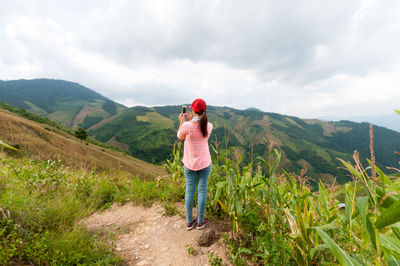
(182, 130)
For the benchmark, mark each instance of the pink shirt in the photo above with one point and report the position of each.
(196, 154)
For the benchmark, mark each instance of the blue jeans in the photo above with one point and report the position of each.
(199, 178)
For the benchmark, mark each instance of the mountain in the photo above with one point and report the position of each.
(390, 121)
(149, 134)
(44, 142)
(67, 103)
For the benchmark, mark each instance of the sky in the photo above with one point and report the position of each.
(309, 58)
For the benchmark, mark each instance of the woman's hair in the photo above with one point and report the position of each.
(203, 122)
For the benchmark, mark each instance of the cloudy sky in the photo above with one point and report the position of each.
(309, 58)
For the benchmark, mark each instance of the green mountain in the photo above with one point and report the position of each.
(67, 103)
(149, 134)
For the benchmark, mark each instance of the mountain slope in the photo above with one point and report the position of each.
(149, 133)
(41, 141)
(67, 103)
(312, 144)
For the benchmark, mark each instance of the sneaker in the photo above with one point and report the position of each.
(203, 224)
(190, 226)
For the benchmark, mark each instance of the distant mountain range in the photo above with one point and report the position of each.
(149, 133)
(390, 121)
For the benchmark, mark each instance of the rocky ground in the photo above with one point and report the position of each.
(144, 236)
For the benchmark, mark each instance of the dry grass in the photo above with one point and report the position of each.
(43, 142)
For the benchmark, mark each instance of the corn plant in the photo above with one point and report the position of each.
(174, 165)
(276, 217)
(377, 214)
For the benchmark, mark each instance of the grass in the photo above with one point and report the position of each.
(44, 142)
(42, 202)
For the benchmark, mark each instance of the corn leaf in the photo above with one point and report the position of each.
(324, 195)
(340, 254)
(389, 216)
(391, 261)
(348, 203)
(397, 111)
(292, 222)
(362, 203)
(391, 244)
(371, 232)
(276, 162)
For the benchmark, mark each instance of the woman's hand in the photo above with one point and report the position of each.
(181, 118)
(183, 115)
(188, 116)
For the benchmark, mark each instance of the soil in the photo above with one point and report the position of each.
(145, 236)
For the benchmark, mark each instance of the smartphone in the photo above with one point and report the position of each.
(183, 109)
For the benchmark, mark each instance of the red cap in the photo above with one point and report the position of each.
(198, 105)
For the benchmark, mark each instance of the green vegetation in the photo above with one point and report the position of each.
(147, 140)
(81, 134)
(110, 107)
(310, 144)
(191, 250)
(90, 121)
(276, 218)
(58, 100)
(41, 203)
(148, 133)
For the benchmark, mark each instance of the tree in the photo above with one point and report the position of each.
(81, 134)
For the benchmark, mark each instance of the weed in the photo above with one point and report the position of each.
(191, 250)
(170, 210)
(214, 260)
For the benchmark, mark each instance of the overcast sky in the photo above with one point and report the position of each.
(309, 58)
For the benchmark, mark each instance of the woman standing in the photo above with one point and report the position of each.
(197, 160)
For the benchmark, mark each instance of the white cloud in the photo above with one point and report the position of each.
(307, 58)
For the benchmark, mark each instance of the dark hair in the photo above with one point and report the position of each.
(203, 122)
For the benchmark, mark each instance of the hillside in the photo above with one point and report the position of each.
(44, 142)
(67, 103)
(149, 134)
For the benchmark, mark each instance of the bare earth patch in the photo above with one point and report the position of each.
(146, 237)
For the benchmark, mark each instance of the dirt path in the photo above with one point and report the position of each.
(146, 237)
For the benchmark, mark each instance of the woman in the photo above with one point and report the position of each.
(197, 160)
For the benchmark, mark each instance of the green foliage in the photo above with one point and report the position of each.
(174, 165)
(110, 107)
(42, 201)
(214, 260)
(59, 100)
(81, 134)
(90, 121)
(314, 144)
(191, 250)
(276, 218)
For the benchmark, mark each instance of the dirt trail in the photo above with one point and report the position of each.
(146, 237)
